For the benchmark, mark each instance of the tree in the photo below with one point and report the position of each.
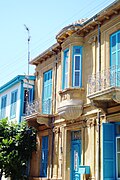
(17, 142)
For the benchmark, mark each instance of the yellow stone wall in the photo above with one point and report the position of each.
(87, 123)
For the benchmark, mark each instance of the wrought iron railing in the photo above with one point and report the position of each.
(104, 80)
(33, 107)
(38, 106)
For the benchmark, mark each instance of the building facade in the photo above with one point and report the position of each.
(77, 102)
(13, 97)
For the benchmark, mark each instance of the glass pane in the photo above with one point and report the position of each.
(118, 145)
(77, 50)
(118, 40)
(66, 65)
(76, 135)
(118, 164)
(77, 78)
(66, 80)
(113, 62)
(117, 129)
(77, 62)
(113, 43)
(119, 58)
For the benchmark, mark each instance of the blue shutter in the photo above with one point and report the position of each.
(65, 69)
(47, 93)
(13, 104)
(115, 58)
(44, 157)
(3, 107)
(108, 151)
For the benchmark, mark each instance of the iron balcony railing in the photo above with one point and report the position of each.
(104, 80)
(38, 106)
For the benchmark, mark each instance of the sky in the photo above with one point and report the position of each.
(44, 19)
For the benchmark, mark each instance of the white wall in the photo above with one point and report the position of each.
(8, 93)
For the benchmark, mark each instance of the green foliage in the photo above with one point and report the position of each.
(17, 142)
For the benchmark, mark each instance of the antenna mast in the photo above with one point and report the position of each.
(28, 31)
(27, 77)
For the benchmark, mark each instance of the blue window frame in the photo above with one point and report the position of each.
(65, 69)
(115, 48)
(47, 93)
(3, 107)
(13, 104)
(44, 157)
(77, 66)
(115, 58)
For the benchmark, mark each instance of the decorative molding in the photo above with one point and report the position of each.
(56, 130)
(116, 97)
(91, 122)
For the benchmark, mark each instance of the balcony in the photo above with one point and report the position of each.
(39, 112)
(104, 87)
(71, 105)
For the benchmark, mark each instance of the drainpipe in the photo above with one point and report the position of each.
(55, 89)
(52, 152)
(98, 114)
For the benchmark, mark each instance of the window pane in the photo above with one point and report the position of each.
(77, 50)
(65, 70)
(118, 145)
(117, 129)
(66, 80)
(77, 62)
(77, 78)
(113, 43)
(113, 62)
(44, 157)
(118, 162)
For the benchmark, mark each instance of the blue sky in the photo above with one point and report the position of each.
(44, 19)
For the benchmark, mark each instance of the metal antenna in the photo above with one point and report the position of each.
(27, 77)
(28, 31)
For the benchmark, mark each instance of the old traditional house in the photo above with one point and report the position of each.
(14, 97)
(77, 102)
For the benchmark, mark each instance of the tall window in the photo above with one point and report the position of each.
(77, 66)
(115, 58)
(44, 157)
(115, 49)
(28, 97)
(13, 104)
(47, 93)
(3, 107)
(65, 69)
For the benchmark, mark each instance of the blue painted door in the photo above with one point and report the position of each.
(47, 93)
(75, 159)
(109, 154)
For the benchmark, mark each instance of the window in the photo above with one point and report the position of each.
(115, 58)
(13, 104)
(65, 69)
(47, 93)
(115, 49)
(28, 96)
(118, 156)
(3, 107)
(77, 66)
(44, 157)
